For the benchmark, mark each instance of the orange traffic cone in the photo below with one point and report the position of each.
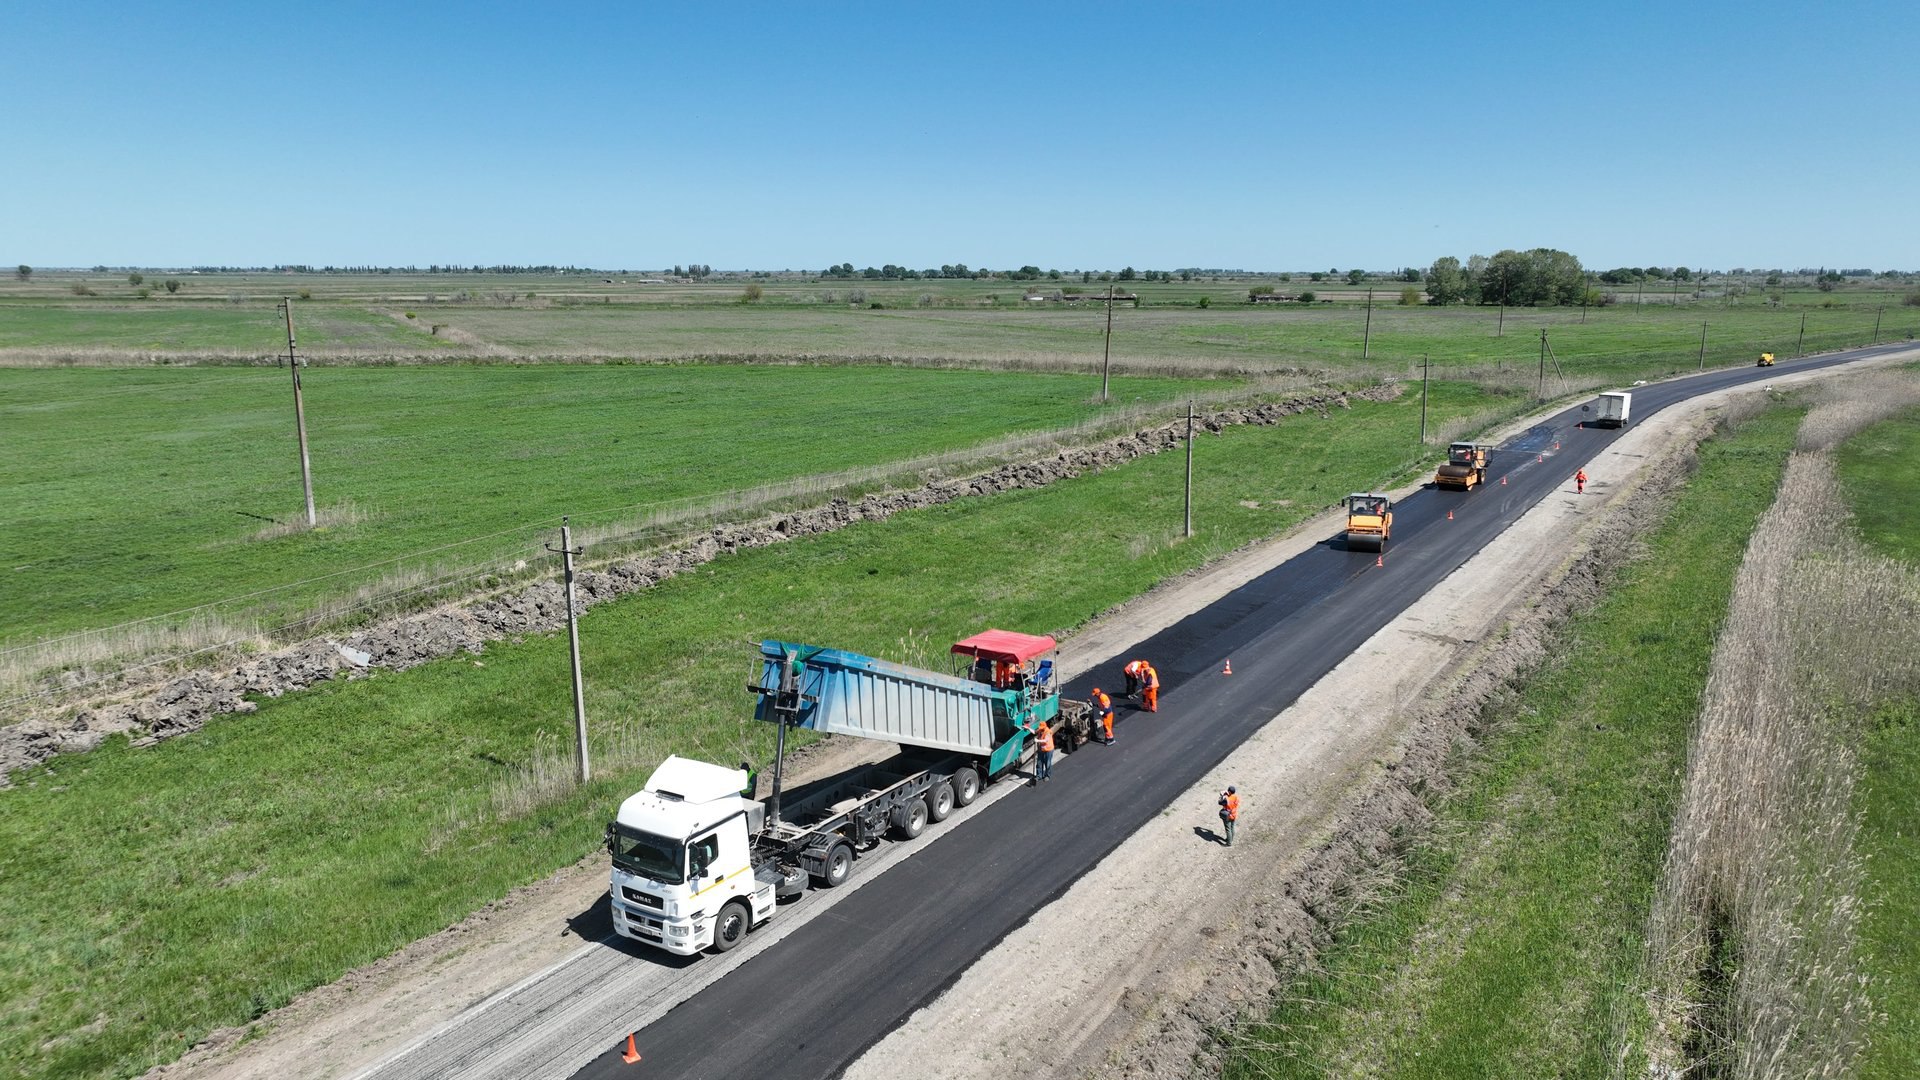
(1542, 457)
(1503, 481)
(632, 1055)
(1449, 515)
(1556, 444)
(1228, 670)
(1380, 560)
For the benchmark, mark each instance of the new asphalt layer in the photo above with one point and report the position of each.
(812, 1002)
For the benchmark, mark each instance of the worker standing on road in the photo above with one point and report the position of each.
(1136, 673)
(1229, 811)
(1150, 691)
(1580, 482)
(1102, 712)
(1043, 760)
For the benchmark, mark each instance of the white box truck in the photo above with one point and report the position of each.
(1612, 408)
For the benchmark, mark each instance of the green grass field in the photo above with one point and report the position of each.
(1512, 948)
(134, 492)
(152, 895)
(1881, 471)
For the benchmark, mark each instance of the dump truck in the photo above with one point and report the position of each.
(1766, 360)
(1611, 409)
(1465, 468)
(697, 861)
(1369, 521)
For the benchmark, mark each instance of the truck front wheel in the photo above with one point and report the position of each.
(730, 928)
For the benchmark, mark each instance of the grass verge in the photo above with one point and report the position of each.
(1511, 946)
(1880, 474)
(150, 896)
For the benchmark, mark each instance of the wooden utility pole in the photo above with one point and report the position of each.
(299, 413)
(1877, 312)
(1189, 467)
(567, 552)
(1366, 339)
(1586, 287)
(1703, 346)
(1423, 399)
(1541, 391)
(1106, 358)
(1803, 335)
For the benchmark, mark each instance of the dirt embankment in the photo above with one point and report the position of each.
(184, 703)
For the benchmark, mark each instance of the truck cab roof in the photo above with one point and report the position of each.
(683, 795)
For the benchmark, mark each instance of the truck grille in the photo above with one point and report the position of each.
(643, 899)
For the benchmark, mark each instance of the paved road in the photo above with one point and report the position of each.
(808, 1002)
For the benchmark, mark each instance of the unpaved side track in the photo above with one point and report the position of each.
(1173, 935)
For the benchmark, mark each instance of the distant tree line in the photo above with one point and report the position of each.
(1519, 278)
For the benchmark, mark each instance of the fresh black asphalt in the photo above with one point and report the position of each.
(810, 1005)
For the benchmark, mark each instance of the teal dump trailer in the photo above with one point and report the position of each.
(847, 693)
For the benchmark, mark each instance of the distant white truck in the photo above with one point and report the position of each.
(1612, 409)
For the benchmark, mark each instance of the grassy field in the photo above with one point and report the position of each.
(151, 895)
(1881, 473)
(1513, 945)
(139, 491)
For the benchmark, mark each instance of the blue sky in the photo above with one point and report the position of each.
(1068, 135)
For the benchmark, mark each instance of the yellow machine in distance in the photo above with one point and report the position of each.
(1766, 360)
(1369, 521)
(1466, 466)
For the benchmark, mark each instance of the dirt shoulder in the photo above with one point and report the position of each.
(1193, 936)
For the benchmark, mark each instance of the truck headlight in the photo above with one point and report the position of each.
(677, 930)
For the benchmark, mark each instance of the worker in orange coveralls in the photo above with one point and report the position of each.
(1103, 712)
(1136, 673)
(1150, 690)
(1580, 482)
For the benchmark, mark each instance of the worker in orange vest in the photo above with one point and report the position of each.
(1103, 712)
(1580, 482)
(1150, 690)
(1136, 673)
(1229, 810)
(1043, 760)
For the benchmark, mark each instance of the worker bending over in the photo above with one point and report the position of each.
(1102, 712)
(1136, 673)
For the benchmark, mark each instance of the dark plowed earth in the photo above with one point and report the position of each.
(811, 1003)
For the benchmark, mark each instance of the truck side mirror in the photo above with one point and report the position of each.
(607, 839)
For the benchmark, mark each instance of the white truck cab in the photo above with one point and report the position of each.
(683, 872)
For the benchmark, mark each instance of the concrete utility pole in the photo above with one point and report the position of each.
(1106, 357)
(299, 412)
(1366, 339)
(1877, 312)
(567, 552)
(1703, 346)
(1541, 391)
(1423, 399)
(1189, 467)
(1803, 335)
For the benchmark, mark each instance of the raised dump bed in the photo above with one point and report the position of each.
(846, 693)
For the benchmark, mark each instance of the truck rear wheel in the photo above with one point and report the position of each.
(731, 927)
(839, 863)
(910, 818)
(966, 785)
(940, 800)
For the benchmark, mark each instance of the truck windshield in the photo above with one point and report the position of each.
(648, 855)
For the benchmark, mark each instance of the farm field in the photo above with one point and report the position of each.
(270, 853)
(140, 491)
(1534, 886)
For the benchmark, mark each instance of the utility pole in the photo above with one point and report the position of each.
(1803, 335)
(1501, 330)
(1423, 398)
(1586, 287)
(1106, 358)
(1541, 391)
(1877, 312)
(567, 551)
(1366, 339)
(1189, 467)
(1703, 346)
(299, 413)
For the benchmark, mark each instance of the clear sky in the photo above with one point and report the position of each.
(1069, 135)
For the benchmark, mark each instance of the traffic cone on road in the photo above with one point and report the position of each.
(1379, 560)
(1542, 457)
(1449, 515)
(1228, 670)
(632, 1055)
(1503, 481)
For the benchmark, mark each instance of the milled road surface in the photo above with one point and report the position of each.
(834, 972)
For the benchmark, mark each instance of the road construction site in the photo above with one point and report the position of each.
(1104, 889)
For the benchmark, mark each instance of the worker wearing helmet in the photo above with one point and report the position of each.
(1043, 756)
(1580, 482)
(1136, 673)
(1229, 810)
(1150, 690)
(1103, 712)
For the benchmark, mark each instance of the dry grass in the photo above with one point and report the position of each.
(1753, 937)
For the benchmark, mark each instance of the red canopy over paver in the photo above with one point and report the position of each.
(1005, 645)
